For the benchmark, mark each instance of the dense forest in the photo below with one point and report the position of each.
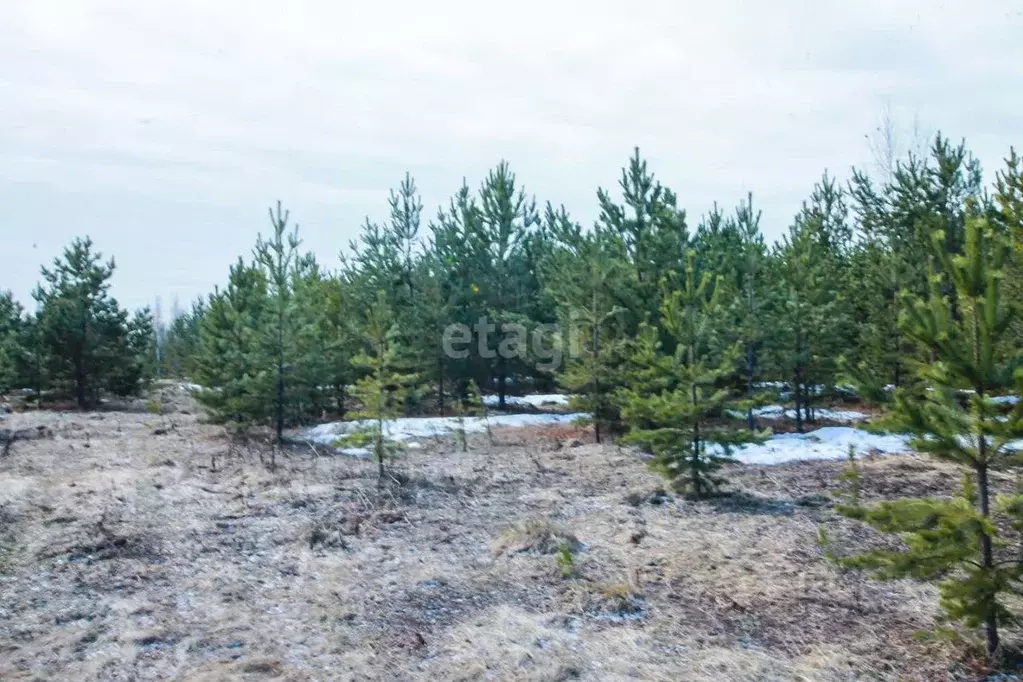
(899, 287)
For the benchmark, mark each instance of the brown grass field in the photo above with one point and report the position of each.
(136, 546)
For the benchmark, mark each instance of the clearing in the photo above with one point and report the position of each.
(142, 547)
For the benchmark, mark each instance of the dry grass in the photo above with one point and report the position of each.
(536, 535)
(126, 555)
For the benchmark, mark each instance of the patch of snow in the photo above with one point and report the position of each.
(537, 401)
(995, 399)
(785, 389)
(830, 442)
(778, 412)
(407, 428)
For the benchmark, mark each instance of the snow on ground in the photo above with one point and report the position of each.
(408, 428)
(830, 442)
(537, 401)
(785, 389)
(361, 453)
(771, 384)
(778, 412)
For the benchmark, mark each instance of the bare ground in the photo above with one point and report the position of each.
(125, 555)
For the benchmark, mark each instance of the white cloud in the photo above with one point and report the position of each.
(166, 127)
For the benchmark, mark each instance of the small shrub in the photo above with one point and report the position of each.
(616, 599)
(565, 559)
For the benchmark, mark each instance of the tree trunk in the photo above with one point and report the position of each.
(280, 405)
(380, 446)
(280, 373)
(987, 557)
(339, 392)
(751, 352)
(694, 466)
(81, 390)
(500, 383)
(595, 403)
(798, 379)
(751, 359)
(38, 378)
(987, 554)
(798, 390)
(440, 386)
(80, 396)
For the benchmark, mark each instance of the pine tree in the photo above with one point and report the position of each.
(734, 248)
(312, 362)
(385, 255)
(1008, 216)
(880, 349)
(485, 252)
(406, 211)
(340, 338)
(652, 237)
(382, 390)
(278, 257)
(231, 364)
(580, 284)
(718, 244)
(136, 370)
(454, 261)
(1009, 197)
(674, 404)
(967, 544)
(813, 321)
(86, 334)
(753, 278)
(31, 358)
(432, 311)
(11, 324)
(182, 341)
(506, 217)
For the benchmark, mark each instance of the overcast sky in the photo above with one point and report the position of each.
(165, 129)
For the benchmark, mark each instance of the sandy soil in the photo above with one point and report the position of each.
(142, 547)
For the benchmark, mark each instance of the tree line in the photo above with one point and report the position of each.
(80, 343)
(903, 288)
(636, 301)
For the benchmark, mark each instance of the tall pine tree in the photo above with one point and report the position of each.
(968, 544)
(278, 256)
(580, 280)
